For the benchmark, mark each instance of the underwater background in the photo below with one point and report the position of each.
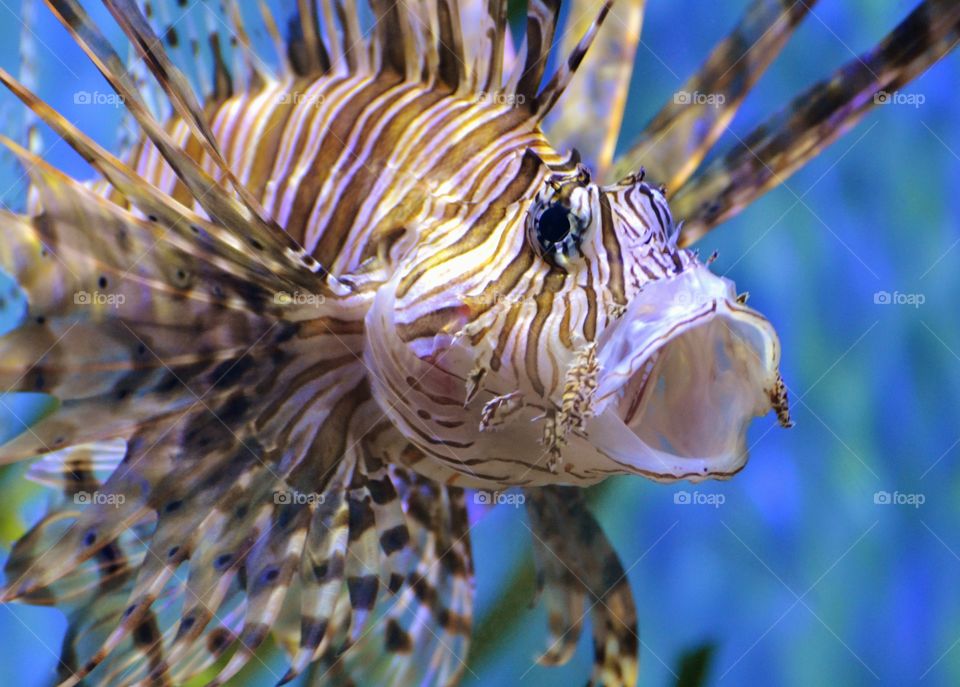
(833, 557)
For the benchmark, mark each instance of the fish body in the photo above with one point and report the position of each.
(422, 199)
(297, 317)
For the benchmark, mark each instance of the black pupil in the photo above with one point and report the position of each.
(554, 224)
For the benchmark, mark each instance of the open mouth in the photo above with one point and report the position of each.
(684, 372)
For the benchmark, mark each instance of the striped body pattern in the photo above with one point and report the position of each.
(293, 322)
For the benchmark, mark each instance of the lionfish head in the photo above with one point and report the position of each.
(570, 306)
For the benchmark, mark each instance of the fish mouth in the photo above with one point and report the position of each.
(683, 373)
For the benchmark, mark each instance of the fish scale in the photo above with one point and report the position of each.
(323, 300)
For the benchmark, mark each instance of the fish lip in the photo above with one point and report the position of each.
(682, 374)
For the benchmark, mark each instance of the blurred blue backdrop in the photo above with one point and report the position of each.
(799, 577)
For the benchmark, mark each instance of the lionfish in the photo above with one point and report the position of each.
(298, 317)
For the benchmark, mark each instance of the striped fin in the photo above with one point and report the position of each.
(177, 503)
(255, 73)
(210, 646)
(210, 194)
(326, 567)
(128, 135)
(678, 138)
(421, 633)
(395, 39)
(497, 31)
(55, 256)
(588, 116)
(229, 523)
(111, 566)
(430, 615)
(354, 43)
(306, 52)
(78, 468)
(322, 576)
(363, 564)
(331, 37)
(577, 565)
(273, 31)
(542, 18)
(393, 533)
(143, 485)
(452, 66)
(558, 83)
(789, 139)
(278, 259)
(269, 566)
(32, 139)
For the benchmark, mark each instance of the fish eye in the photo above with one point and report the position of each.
(554, 224)
(555, 233)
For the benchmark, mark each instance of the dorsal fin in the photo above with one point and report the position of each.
(353, 41)
(244, 215)
(270, 24)
(452, 69)
(589, 114)
(305, 50)
(28, 74)
(555, 87)
(497, 9)
(395, 39)
(172, 80)
(256, 73)
(542, 17)
(150, 199)
(330, 36)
